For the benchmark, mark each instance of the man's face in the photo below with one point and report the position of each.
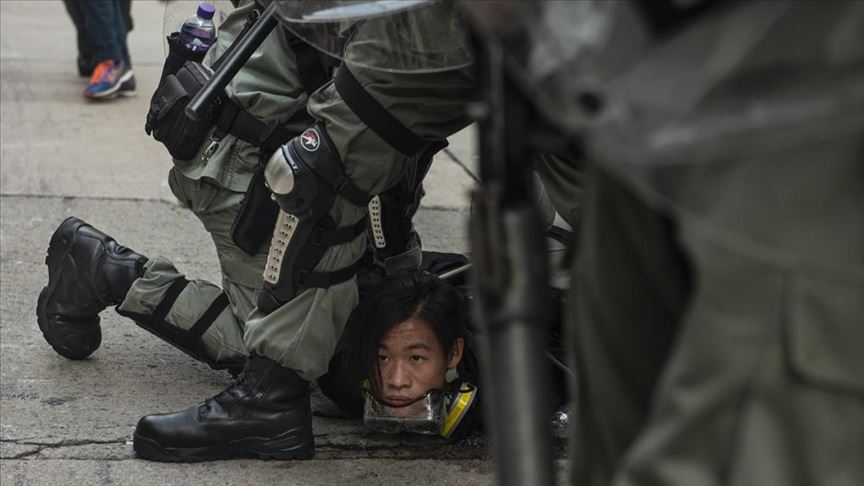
(412, 361)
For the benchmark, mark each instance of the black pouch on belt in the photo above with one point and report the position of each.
(167, 120)
(254, 223)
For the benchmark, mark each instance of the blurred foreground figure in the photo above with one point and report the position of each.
(719, 285)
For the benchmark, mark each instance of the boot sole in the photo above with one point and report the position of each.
(281, 448)
(58, 251)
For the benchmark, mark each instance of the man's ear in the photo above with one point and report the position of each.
(456, 353)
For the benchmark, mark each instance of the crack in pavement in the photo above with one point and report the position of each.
(350, 451)
(471, 447)
(41, 445)
(325, 448)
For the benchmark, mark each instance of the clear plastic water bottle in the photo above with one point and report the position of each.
(198, 32)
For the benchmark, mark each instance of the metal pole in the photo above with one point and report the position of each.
(511, 276)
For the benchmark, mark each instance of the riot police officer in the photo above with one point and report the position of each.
(378, 123)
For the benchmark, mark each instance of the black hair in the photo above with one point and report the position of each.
(395, 300)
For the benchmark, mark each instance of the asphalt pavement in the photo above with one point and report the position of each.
(71, 422)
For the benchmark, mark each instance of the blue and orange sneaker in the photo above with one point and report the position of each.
(109, 80)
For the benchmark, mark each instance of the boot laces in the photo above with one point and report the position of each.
(241, 387)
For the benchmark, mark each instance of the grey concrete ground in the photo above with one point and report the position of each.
(64, 422)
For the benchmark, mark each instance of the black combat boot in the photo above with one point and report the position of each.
(264, 414)
(87, 271)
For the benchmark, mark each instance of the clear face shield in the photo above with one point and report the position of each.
(437, 412)
(408, 36)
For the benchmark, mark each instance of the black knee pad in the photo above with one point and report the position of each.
(305, 176)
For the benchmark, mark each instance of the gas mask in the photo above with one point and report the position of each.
(437, 412)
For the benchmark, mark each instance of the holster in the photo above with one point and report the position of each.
(254, 223)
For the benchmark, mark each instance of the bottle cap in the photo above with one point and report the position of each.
(206, 11)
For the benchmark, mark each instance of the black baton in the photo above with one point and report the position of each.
(232, 63)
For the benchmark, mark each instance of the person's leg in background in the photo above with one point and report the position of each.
(126, 11)
(127, 88)
(105, 28)
(122, 13)
(85, 52)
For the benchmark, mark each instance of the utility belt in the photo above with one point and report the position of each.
(183, 137)
(183, 76)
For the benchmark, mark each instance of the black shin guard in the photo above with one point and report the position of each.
(186, 340)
